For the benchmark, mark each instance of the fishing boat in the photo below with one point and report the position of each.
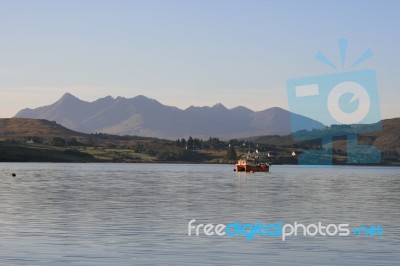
(252, 165)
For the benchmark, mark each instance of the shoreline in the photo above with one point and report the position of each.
(199, 163)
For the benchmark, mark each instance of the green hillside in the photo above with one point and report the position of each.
(37, 140)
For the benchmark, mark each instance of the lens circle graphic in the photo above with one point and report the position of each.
(359, 93)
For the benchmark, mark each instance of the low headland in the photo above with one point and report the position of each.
(39, 140)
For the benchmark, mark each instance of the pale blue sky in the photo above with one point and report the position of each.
(188, 52)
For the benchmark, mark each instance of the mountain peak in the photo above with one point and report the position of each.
(148, 117)
(219, 106)
(142, 97)
(68, 96)
(145, 100)
(242, 108)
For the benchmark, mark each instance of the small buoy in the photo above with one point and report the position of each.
(13, 175)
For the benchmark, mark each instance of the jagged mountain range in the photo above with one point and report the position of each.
(143, 116)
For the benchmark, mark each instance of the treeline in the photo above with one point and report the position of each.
(335, 131)
(105, 136)
(199, 144)
(217, 144)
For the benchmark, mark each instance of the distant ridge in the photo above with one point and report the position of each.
(27, 127)
(143, 116)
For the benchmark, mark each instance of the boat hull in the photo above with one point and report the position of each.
(243, 167)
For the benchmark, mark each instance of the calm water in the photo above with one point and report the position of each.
(137, 214)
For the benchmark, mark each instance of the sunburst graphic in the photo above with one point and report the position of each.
(343, 52)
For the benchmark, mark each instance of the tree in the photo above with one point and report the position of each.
(183, 143)
(190, 143)
(178, 143)
(231, 154)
